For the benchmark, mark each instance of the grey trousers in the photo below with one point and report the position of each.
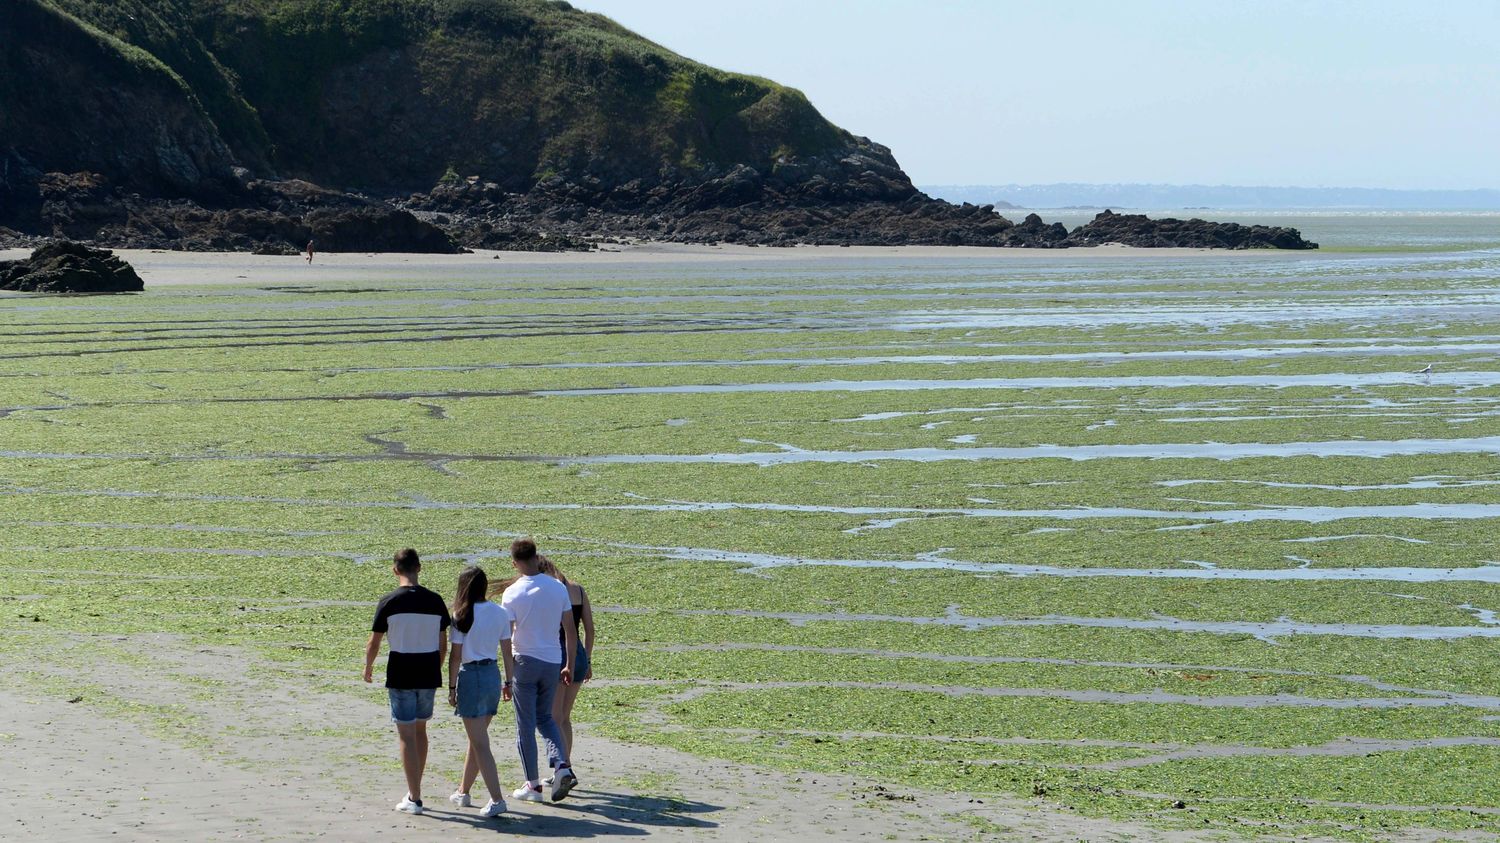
(536, 684)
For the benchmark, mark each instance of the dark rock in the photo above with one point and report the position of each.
(271, 247)
(20, 197)
(12, 239)
(740, 206)
(1139, 230)
(75, 205)
(376, 228)
(63, 267)
(508, 237)
(271, 230)
(1034, 233)
(265, 217)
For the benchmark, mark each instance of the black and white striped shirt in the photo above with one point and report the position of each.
(412, 619)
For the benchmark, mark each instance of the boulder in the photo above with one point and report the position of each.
(64, 267)
(375, 228)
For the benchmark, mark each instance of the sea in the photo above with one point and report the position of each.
(1331, 229)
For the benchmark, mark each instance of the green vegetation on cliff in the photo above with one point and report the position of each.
(388, 95)
(163, 29)
(146, 127)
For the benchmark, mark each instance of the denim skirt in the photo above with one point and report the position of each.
(478, 689)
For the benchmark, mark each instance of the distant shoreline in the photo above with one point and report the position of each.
(1156, 198)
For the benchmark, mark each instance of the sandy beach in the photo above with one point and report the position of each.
(158, 267)
(218, 744)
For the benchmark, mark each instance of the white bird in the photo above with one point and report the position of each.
(1427, 370)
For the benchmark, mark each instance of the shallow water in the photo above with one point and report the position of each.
(1333, 379)
(1427, 483)
(1486, 573)
(1303, 514)
(789, 454)
(1269, 631)
(1163, 450)
(1434, 348)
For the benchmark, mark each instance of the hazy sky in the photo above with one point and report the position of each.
(1363, 93)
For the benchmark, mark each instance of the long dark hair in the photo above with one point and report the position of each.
(472, 586)
(543, 566)
(552, 571)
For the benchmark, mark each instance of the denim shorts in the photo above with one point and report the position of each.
(580, 664)
(408, 705)
(478, 689)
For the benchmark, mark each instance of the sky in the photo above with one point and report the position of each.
(1307, 93)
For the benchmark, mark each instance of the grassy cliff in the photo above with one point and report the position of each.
(74, 96)
(391, 95)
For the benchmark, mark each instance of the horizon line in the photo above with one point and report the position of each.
(935, 184)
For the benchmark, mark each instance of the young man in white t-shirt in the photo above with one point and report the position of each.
(541, 606)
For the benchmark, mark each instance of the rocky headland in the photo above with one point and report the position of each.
(438, 125)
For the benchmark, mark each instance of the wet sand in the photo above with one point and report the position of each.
(158, 267)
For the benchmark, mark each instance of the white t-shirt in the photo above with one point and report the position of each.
(537, 603)
(482, 641)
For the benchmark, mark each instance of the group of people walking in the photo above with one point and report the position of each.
(541, 631)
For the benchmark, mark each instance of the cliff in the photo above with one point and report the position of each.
(164, 122)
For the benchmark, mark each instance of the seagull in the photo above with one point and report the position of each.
(1427, 370)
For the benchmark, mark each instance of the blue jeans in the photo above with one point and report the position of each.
(408, 705)
(536, 684)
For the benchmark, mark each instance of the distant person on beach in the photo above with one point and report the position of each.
(416, 622)
(309, 251)
(541, 607)
(481, 636)
(583, 623)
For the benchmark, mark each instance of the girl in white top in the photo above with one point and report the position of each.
(481, 634)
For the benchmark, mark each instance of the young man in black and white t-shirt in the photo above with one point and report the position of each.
(416, 622)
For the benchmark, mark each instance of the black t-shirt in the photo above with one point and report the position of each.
(412, 619)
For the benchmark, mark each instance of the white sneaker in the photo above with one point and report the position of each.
(526, 793)
(408, 805)
(562, 782)
(492, 809)
(461, 799)
(548, 781)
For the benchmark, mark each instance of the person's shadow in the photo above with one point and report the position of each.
(591, 813)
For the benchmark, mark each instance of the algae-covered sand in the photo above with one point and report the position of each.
(1177, 539)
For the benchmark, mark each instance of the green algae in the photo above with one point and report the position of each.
(166, 529)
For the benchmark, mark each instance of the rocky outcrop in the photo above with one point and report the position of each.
(740, 207)
(744, 208)
(1033, 233)
(264, 217)
(1138, 230)
(63, 267)
(375, 228)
